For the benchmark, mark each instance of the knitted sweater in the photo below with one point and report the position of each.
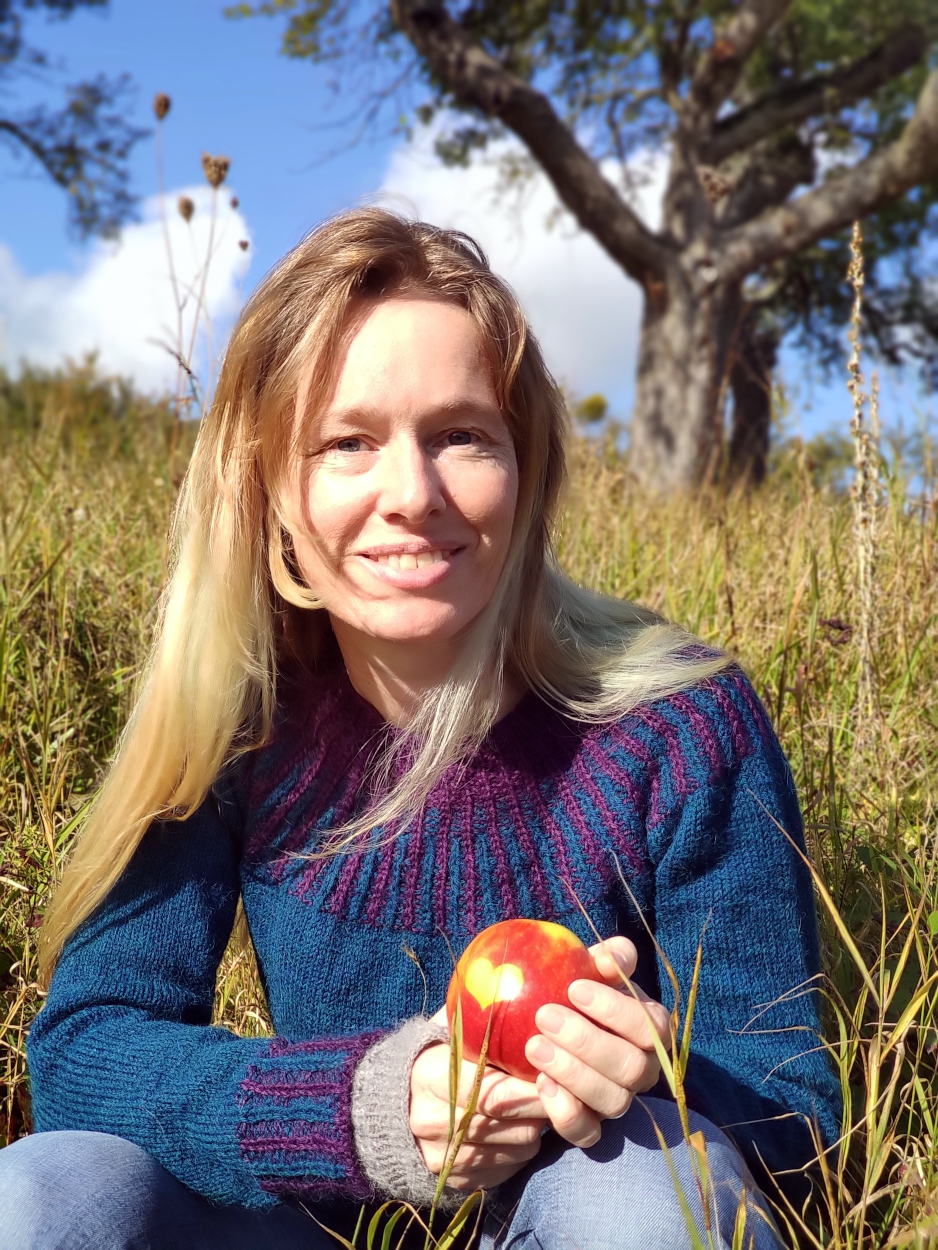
(670, 810)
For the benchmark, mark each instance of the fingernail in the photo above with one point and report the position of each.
(582, 993)
(547, 1086)
(542, 1050)
(550, 1020)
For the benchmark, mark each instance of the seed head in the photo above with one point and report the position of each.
(235, 201)
(215, 169)
(243, 244)
(186, 207)
(161, 105)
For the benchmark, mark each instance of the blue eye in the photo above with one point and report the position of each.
(348, 444)
(459, 438)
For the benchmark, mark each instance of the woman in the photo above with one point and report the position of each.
(379, 715)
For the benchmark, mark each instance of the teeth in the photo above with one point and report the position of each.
(408, 561)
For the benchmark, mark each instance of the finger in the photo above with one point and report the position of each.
(430, 1121)
(635, 1017)
(614, 958)
(504, 1097)
(483, 1179)
(510, 1099)
(615, 1057)
(499, 1093)
(474, 1164)
(575, 1122)
(606, 1081)
(484, 1131)
(440, 1017)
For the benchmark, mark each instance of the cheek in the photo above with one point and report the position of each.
(487, 497)
(331, 513)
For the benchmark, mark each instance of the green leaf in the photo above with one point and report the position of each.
(459, 1221)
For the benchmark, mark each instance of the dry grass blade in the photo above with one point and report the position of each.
(833, 912)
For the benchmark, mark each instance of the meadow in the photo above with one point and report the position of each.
(86, 490)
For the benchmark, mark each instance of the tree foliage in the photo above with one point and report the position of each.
(84, 144)
(831, 83)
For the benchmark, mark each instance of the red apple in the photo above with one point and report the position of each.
(506, 974)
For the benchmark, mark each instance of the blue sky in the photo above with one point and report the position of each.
(231, 93)
(292, 164)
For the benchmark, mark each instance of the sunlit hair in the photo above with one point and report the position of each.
(234, 613)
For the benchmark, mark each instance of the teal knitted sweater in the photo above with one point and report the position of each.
(671, 811)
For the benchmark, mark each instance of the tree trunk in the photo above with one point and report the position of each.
(677, 423)
(753, 358)
(747, 160)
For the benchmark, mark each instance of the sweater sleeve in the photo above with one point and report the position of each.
(726, 877)
(124, 1045)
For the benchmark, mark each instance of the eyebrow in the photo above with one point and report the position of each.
(466, 407)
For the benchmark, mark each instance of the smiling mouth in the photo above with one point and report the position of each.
(406, 561)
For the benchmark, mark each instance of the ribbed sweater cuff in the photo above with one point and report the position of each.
(296, 1131)
(387, 1149)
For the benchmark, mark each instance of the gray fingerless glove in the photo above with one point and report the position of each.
(386, 1147)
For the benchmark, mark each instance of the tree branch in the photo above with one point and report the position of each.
(481, 82)
(910, 160)
(719, 70)
(31, 145)
(769, 177)
(827, 93)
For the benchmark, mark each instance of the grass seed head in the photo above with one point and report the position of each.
(186, 207)
(215, 169)
(161, 105)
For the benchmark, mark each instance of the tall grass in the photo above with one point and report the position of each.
(84, 504)
(84, 500)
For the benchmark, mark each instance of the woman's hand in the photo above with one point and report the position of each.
(503, 1135)
(590, 1073)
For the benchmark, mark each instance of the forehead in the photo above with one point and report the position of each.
(414, 352)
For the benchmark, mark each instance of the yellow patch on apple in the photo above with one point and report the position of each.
(489, 984)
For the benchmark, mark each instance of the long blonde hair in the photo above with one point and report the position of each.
(234, 611)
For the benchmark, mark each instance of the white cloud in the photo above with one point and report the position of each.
(120, 303)
(581, 305)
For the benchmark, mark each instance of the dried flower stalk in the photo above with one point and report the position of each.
(161, 105)
(866, 483)
(186, 207)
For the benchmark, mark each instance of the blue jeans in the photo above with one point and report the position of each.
(90, 1191)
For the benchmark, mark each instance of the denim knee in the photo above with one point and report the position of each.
(75, 1190)
(620, 1194)
(92, 1191)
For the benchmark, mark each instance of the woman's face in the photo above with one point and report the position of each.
(409, 496)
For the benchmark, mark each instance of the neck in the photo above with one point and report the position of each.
(396, 677)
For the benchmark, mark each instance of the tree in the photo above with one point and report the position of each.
(784, 121)
(84, 145)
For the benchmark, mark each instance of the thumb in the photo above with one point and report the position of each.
(615, 956)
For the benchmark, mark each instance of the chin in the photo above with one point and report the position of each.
(415, 627)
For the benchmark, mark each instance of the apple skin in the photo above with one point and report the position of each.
(509, 971)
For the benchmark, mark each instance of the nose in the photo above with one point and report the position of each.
(410, 488)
